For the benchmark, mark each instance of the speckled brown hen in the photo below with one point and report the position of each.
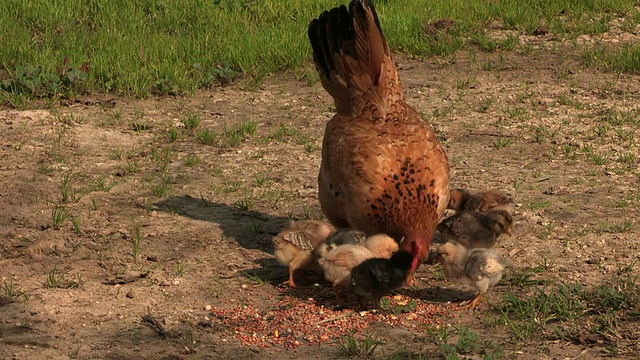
(382, 170)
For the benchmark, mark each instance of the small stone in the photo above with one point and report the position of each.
(130, 294)
(207, 307)
(243, 286)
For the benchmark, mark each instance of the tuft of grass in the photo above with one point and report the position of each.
(467, 344)
(538, 203)
(207, 137)
(236, 134)
(191, 121)
(56, 279)
(624, 59)
(173, 134)
(245, 203)
(10, 289)
(614, 227)
(59, 214)
(350, 346)
(253, 276)
(68, 192)
(502, 142)
(135, 241)
(100, 184)
(191, 160)
(179, 269)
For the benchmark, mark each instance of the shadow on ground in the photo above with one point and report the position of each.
(250, 229)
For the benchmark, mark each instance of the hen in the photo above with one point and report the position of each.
(376, 277)
(461, 199)
(294, 245)
(477, 268)
(474, 229)
(337, 263)
(382, 169)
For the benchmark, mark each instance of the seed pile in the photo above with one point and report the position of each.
(296, 321)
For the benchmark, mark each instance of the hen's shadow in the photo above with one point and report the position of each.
(250, 229)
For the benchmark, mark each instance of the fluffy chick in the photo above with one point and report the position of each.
(461, 199)
(340, 237)
(474, 229)
(376, 277)
(476, 268)
(338, 263)
(293, 246)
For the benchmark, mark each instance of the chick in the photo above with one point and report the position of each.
(340, 237)
(476, 268)
(474, 229)
(293, 246)
(376, 277)
(337, 263)
(461, 199)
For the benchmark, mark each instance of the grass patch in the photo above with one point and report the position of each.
(352, 347)
(142, 48)
(625, 59)
(604, 314)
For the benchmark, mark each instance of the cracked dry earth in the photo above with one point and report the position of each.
(202, 282)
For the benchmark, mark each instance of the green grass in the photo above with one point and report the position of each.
(146, 47)
(363, 348)
(625, 59)
(607, 313)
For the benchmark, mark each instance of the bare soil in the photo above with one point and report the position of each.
(205, 279)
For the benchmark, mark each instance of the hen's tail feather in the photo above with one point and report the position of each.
(351, 53)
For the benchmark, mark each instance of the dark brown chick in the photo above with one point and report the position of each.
(474, 229)
(483, 201)
(376, 277)
(382, 170)
(479, 269)
(337, 263)
(294, 245)
(340, 237)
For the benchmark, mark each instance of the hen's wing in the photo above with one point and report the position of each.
(382, 170)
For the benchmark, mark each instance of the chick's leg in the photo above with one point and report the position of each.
(336, 291)
(290, 282)
(473, 303)
(295, 264)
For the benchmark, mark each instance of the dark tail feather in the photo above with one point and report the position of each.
(350, 51)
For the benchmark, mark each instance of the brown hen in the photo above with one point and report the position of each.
(382, 170)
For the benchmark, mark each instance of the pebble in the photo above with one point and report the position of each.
(130, 294)
(207, 307)
(243, 286)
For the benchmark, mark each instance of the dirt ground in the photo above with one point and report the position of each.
(537, 126)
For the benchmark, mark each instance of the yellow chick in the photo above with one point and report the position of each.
(293, 246)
